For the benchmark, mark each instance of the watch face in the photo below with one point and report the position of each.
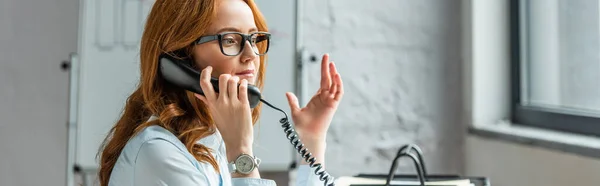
(244, 164)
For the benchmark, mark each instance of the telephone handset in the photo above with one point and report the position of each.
(180, 74)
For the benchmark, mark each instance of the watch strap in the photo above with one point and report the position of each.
(231, 167)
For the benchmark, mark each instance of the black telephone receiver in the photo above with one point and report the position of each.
(178, 73)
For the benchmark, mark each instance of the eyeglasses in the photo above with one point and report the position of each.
(232, 43)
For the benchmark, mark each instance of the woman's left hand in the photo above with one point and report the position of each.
(312, 121)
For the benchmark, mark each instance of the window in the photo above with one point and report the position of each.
(556, 64)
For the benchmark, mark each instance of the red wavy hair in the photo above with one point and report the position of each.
(171, 28)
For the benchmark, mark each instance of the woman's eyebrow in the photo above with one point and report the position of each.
(233, 29)
(228, 29)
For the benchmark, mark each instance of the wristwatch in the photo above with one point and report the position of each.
(244, 164)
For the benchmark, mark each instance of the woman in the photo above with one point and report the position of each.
(169, 136)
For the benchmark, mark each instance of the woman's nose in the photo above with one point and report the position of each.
(248, 53)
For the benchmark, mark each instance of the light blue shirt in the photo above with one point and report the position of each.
(156, 157)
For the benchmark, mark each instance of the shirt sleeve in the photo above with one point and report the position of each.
(161, 163)
(252, 182)
(306, 177)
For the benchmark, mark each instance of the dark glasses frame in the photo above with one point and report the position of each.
(245, 37)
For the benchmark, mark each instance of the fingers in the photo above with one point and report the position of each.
(339, 85)
(223, 93)
(243, 94)
(201, 98)
(333, 73)
(325, 76)
(233, 88)
(293, 101)
(340, 88)
(205, 84)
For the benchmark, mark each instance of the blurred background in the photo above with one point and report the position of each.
(504, 89)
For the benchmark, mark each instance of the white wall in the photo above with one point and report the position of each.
(35, 37)
(401, 65)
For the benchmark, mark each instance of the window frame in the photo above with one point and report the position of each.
(548, 118)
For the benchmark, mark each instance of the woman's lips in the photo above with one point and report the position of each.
(245, 73)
